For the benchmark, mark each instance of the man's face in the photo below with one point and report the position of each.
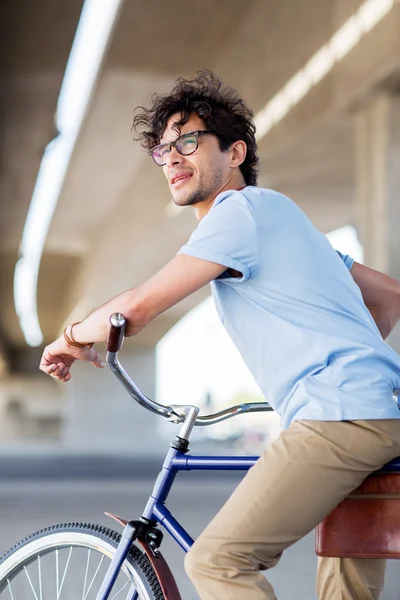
(197, 177)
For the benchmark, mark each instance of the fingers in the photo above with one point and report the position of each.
(58, 366)
(60, 371)
(63, 379)
(96, 360)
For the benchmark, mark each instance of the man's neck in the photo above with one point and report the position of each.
(202, 208)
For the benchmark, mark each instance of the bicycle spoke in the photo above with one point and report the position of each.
(135, 595)
(65, 572)
(94, 577)
(57, 578)
(40, 578)
(65, 565)
(30, 583)
(86, 574)
(9, 587)
(121, 590)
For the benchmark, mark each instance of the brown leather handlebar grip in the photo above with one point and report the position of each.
(116, 332)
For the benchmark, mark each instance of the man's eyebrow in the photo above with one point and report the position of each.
(176, 128)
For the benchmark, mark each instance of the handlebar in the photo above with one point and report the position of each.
(175, 413)
(116, 332)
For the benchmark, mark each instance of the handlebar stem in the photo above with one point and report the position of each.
(189, 422)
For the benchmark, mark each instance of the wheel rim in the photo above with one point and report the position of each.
(66, 566)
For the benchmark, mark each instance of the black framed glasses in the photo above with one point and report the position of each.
(185, 144)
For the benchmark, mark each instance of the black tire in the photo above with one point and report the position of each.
(51, 550)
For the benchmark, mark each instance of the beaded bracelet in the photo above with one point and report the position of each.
(72, 341)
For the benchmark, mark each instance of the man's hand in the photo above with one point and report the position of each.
(59, 356)
(182, 276)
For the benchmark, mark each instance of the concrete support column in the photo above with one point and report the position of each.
(101, 417)
(378, 187)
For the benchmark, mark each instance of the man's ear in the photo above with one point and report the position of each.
(238, 153)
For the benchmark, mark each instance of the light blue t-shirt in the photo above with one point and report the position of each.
(296, 315)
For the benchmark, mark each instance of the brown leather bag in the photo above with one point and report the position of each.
(366, 524)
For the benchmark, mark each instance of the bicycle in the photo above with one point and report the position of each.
(130, 563)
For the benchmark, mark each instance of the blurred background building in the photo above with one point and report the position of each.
(84, 214)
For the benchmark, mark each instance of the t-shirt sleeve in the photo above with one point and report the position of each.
(227, 235)
(347, 259)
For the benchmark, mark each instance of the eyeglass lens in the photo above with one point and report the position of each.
(185, 144)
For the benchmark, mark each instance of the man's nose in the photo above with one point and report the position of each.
(174, 157)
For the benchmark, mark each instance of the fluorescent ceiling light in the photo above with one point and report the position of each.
(91, 39)
(319, 65)
(345, 39)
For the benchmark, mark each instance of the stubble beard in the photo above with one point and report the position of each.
(204, 191)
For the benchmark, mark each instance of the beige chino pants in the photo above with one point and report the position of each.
(297, 481)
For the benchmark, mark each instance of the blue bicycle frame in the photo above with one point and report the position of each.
(176, 460)
(157, 512)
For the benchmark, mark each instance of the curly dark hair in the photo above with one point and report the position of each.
(221, 109)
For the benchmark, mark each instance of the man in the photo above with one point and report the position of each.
(291, 306)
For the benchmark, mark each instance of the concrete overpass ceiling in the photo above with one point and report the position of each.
(36, 41)
(36, 46)
(153, 43)
(110, 230)
(112, 206)
(318, 172)
(175, 37)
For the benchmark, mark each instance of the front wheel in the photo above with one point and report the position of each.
(69, 561)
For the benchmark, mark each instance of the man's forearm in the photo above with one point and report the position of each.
(179, 278)
(381, 320)
(381, 295)
(94, 327)
(386, 318)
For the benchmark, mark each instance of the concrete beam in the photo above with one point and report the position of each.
(378, 179)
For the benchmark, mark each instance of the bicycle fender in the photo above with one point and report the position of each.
(119, 520)
(163, 572)
(164, 575)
